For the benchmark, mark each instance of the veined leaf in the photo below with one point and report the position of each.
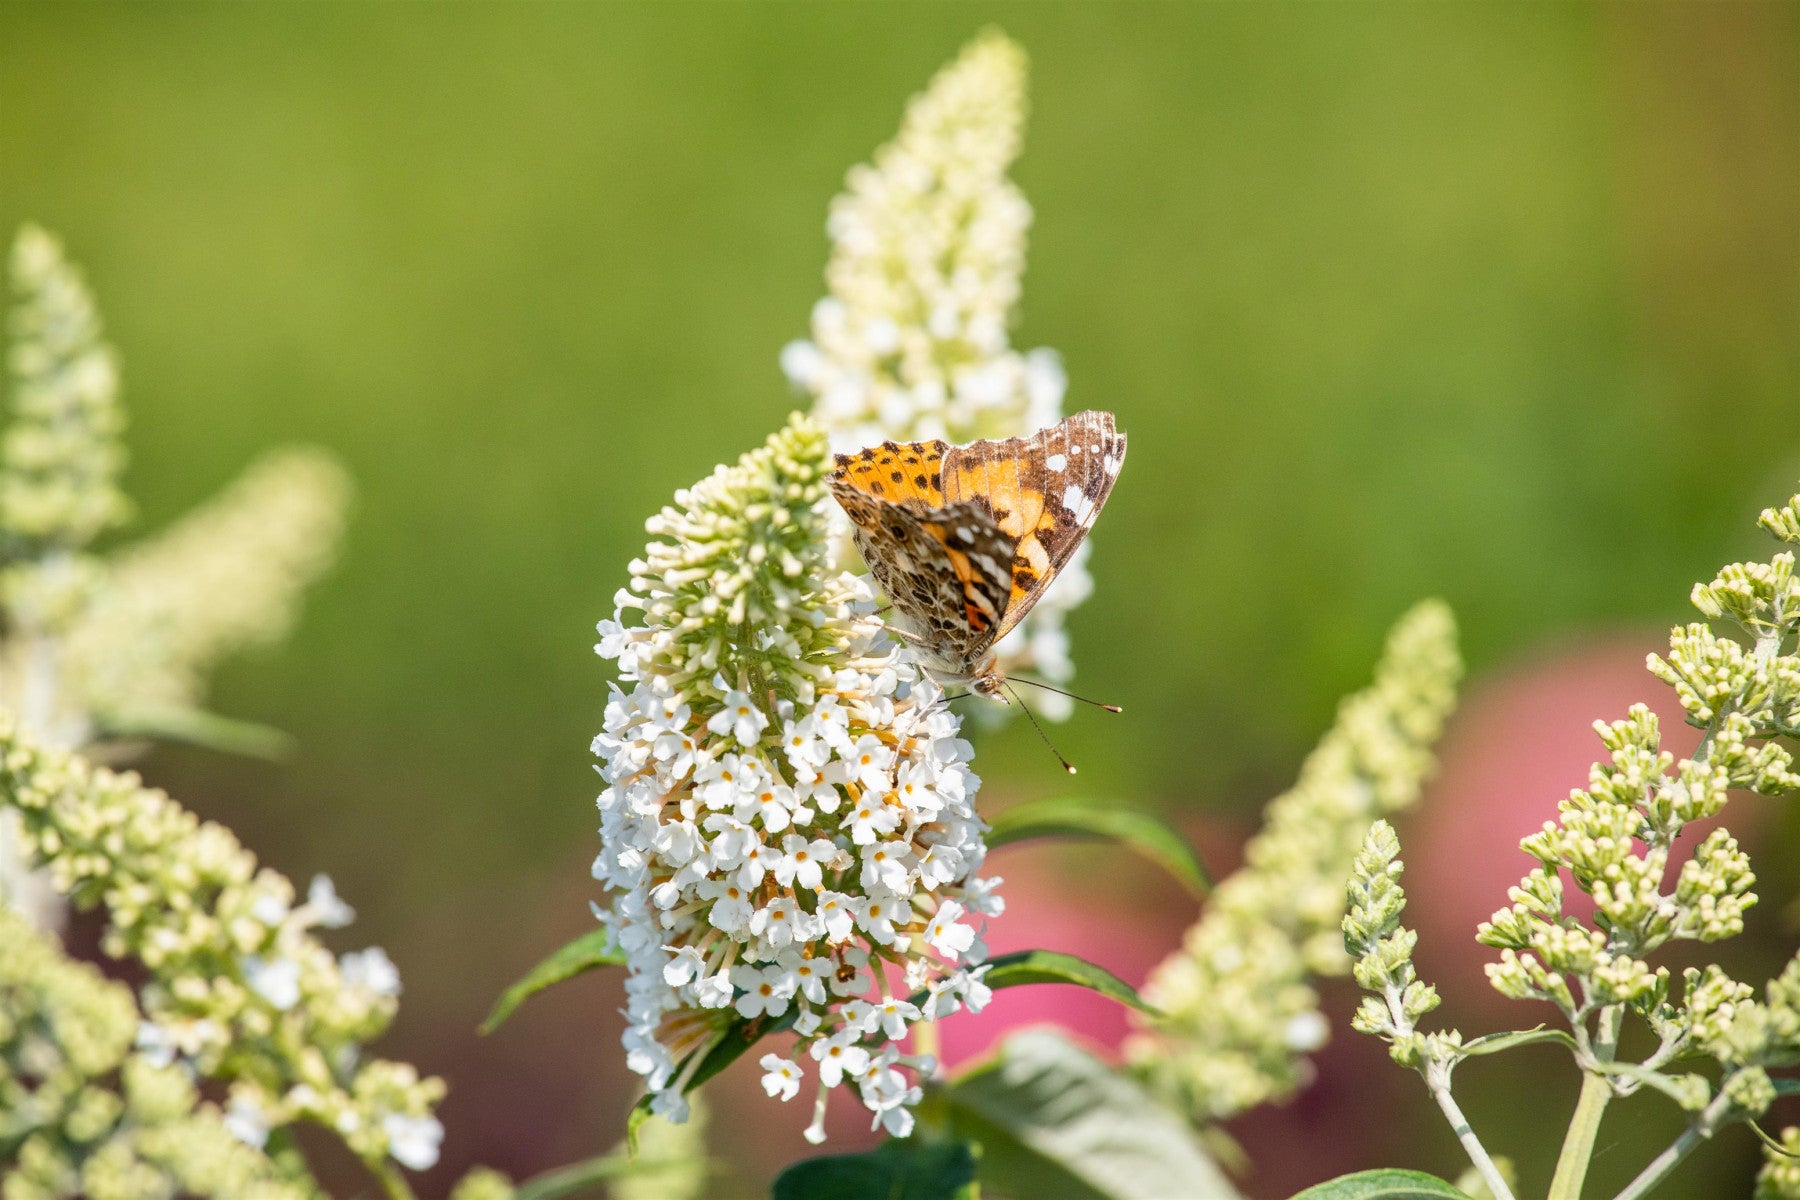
(1053, 1120)
(590, 950)
(1383, 1184)
(1494, 1043)
(911, 1169)
(1051, 966)
(1075, 817)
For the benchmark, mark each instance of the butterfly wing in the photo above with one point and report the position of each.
(947, 568)
(1043, 491)
(909, 474)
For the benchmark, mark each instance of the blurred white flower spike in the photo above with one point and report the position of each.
(912, 341)
(115, 649)
(788, 826)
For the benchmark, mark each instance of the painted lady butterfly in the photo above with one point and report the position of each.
(964, 539)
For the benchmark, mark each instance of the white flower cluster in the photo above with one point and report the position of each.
(911, 343)
(788, 828)
(239, 988)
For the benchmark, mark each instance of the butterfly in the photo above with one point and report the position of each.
(965, 539)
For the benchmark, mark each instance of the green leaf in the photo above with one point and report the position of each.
(582, 1176)
(590, 950)
(1383, 1184)
(911, 1169)
(1074, 817)
(1494, 1043)
(197, 727)
(1051, 966)
(729, 1046)
(1053, 1120)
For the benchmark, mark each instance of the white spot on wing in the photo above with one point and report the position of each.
(1057, 462)
(1079, 506)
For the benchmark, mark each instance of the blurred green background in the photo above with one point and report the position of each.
(1496, 302)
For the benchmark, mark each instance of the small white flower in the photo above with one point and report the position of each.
(838, 913)
(155, 1043)
(275, 980)
(326, 907)
(765, 990)
(878, 914)
(780, 1076)
(944, 935)
(269, 908)
(809, 974)
(1306, 1032)
(371, 969)
(803, 745)
(871, 763)
(885, 866)
(413, 1141)
(838, 1056)
(246, 1122)
(803, 862)
(860, 1017)
(872, 820)
(731, 910)
(670, 1105)
(714, 991)
(772, 804)
(740, 718)
(893, 1016)
(778, 922)
(687, 964)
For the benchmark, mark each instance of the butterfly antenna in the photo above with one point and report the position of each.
(1066, 764)
(1112, 708)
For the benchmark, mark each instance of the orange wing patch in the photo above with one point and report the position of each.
(906, 473)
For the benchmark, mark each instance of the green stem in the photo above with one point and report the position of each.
(1584, 1126)
(1438, 1081)
(392, 1182)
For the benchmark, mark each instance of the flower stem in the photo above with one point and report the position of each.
(925, 1041)
(1465, 1133)
(1584, 1126)
(392, 1182)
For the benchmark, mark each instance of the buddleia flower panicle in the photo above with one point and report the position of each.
(98, 649)
(83, 1113)
(1382, 951)
(1616, 839)
(227, 576)
(788, 831)
(1239, 1010)
(912, 341)
(61, 456)
(238, 989)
